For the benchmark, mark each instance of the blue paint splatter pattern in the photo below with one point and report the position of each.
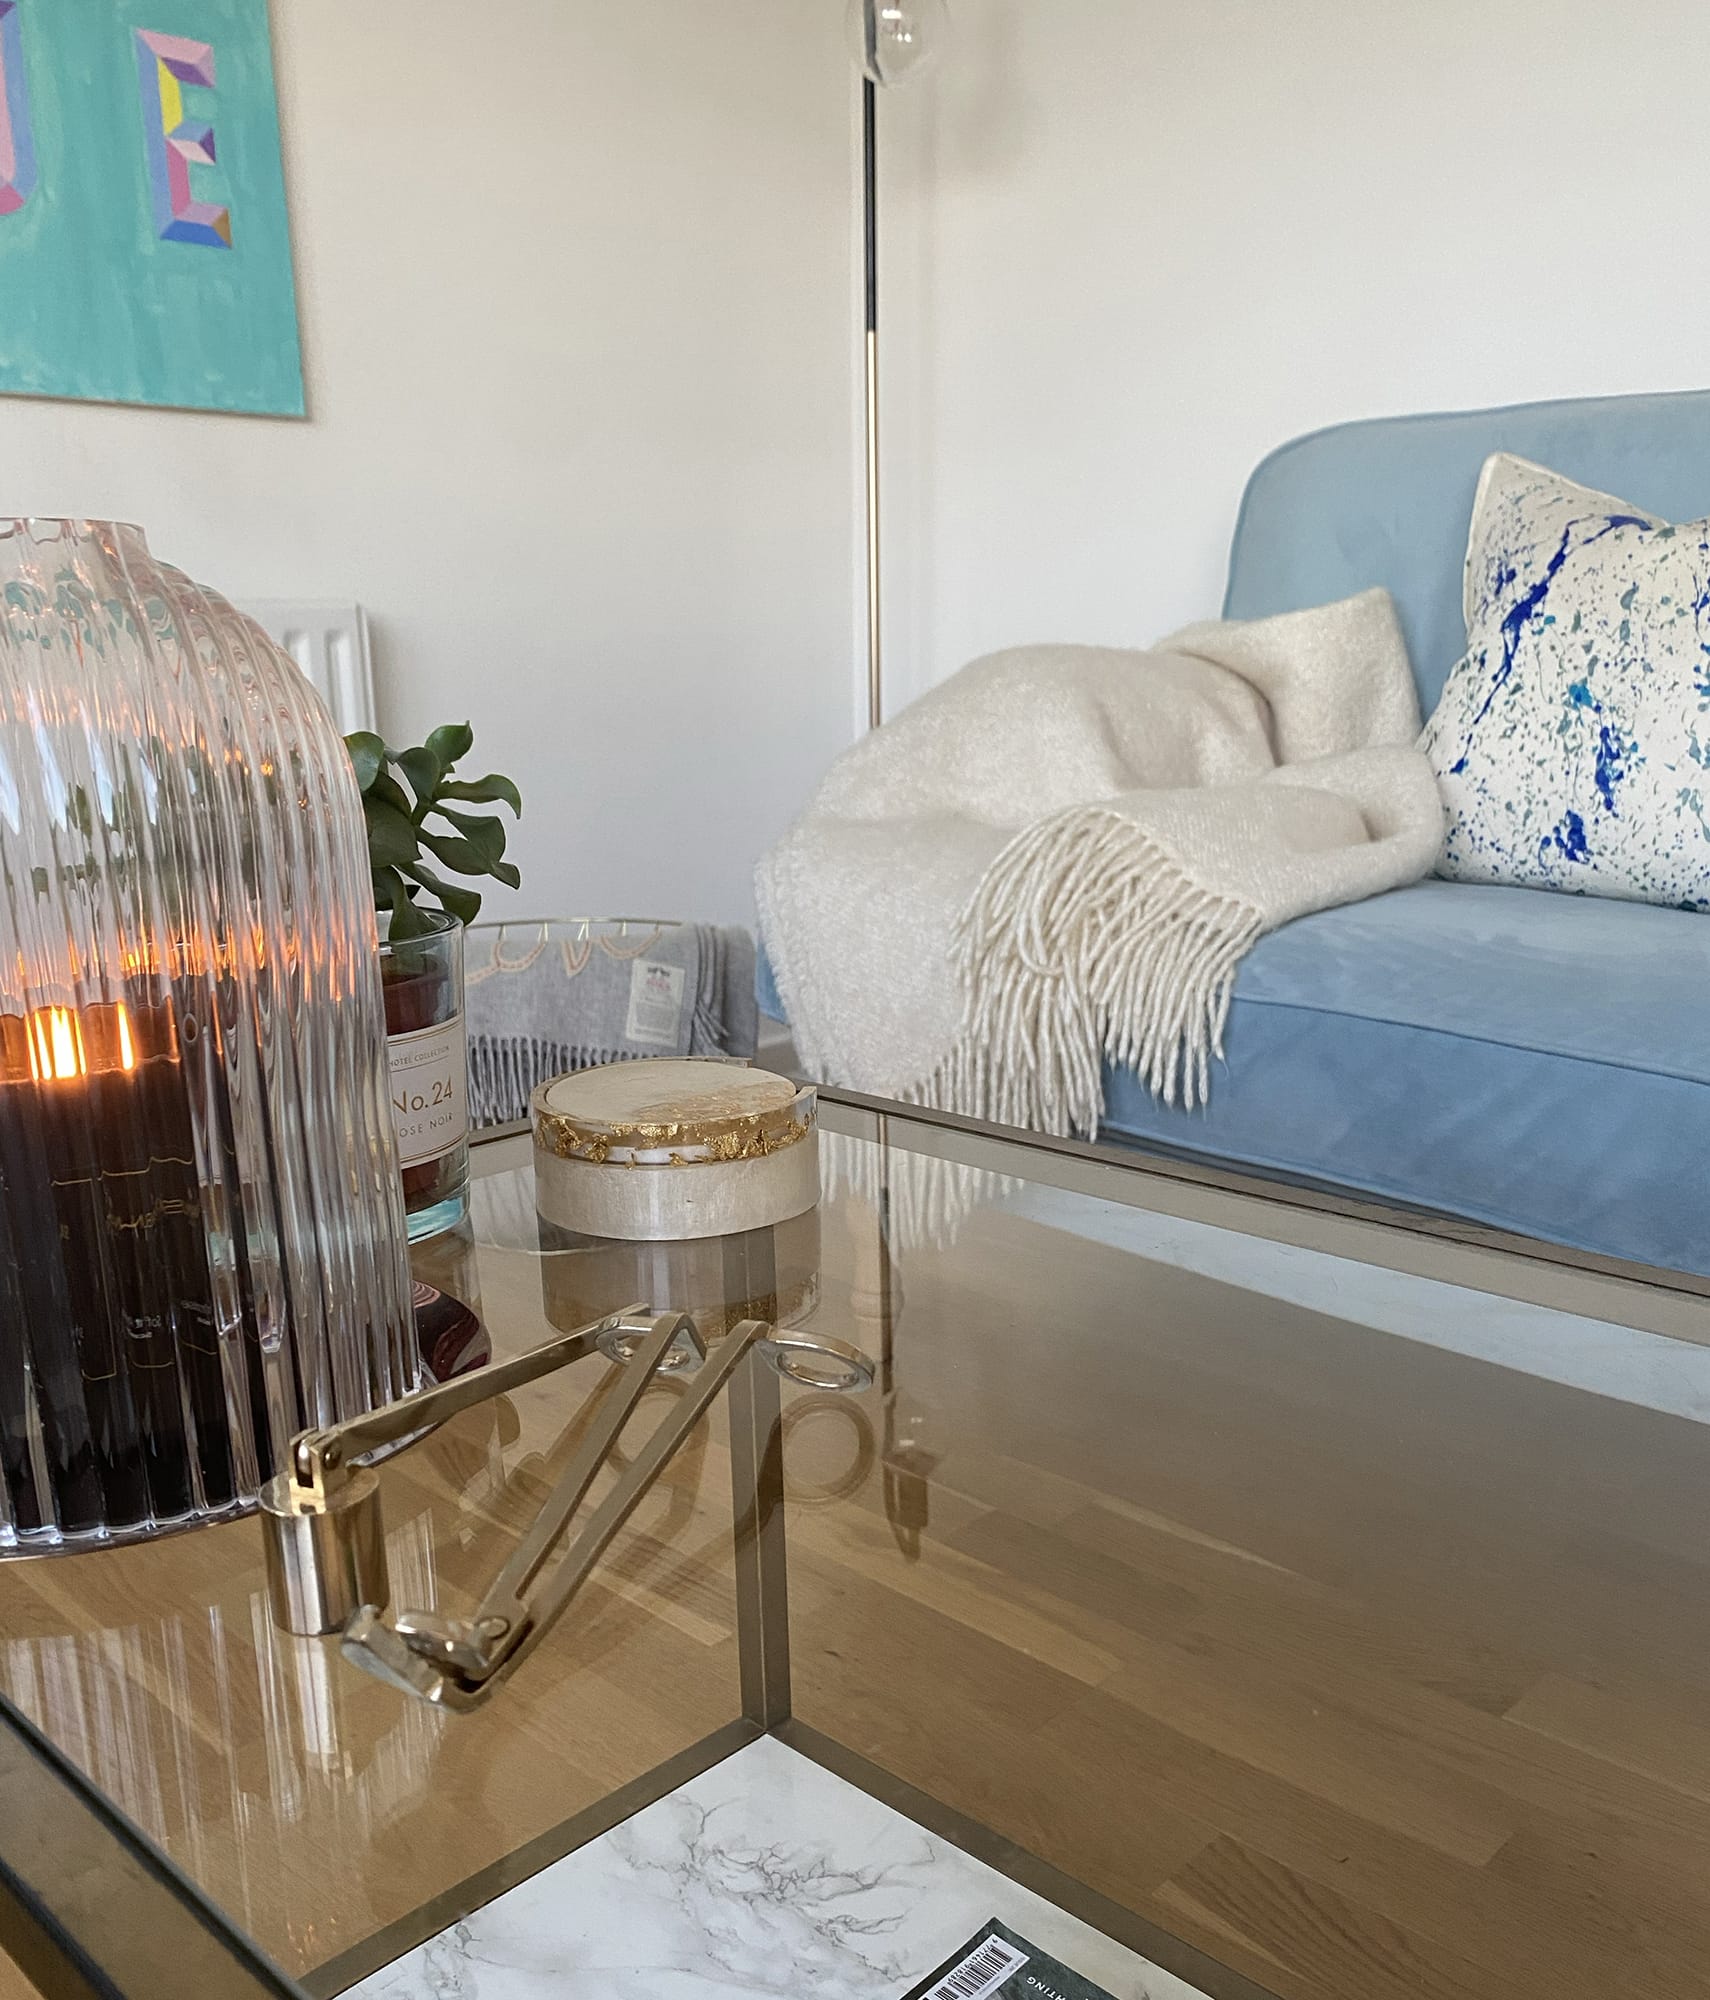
(1571, 742)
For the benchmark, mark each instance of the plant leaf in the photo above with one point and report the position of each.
(422, 768)
(464, 903)
(451, 741)
(408, 922)
(389, 792)
(392, 892)
(485, 792)
(486, 832)
(392, 838)
(508, 873)
(456, 852)
(367, 757)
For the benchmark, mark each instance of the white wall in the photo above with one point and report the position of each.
(1132, 245)
(575, 290)
(577, 301)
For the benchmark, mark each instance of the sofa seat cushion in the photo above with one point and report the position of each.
(1534, 1061)
(1538, 1062)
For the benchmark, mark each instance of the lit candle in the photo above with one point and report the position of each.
(110, 1305)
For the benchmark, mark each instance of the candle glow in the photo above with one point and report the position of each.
(59, 1052)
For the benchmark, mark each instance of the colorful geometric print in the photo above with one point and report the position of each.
(1572, 743)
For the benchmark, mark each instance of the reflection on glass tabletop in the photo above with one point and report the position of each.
(1231, 1595)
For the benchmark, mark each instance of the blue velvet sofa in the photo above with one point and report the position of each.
(1531, 1060)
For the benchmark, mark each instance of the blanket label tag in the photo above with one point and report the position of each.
(655, 1003)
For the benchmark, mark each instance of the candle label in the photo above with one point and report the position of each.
(430, 1091)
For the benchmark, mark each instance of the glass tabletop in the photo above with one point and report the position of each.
(1313, 1605)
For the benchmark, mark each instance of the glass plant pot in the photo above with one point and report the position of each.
(428, 1060)
(201, 1229)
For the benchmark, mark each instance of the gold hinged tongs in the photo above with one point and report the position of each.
(326, 1548)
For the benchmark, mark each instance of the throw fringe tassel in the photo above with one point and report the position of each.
(919, 1199)
(1088, 940)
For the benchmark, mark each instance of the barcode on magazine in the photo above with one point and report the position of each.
(983, 1971)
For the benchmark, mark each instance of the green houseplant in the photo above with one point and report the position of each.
(398, 831)
(414, 806)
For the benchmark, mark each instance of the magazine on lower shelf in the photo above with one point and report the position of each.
(999, 1964)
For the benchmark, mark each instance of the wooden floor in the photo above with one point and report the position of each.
(1372, 1670)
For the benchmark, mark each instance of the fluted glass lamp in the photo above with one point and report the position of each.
(201, 1229)
(891, 41)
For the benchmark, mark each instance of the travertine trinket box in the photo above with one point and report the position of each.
(666, 1150)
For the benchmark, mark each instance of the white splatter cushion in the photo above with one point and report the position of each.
(1572, 743)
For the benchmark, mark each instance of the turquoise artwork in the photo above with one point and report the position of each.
(145, 249)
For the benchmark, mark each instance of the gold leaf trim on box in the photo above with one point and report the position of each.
(753, 1135)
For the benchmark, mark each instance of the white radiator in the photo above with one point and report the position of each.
(330, 643)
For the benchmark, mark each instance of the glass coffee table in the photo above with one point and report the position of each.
(1232, 1590)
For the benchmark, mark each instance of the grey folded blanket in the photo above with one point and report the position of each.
(544, 998)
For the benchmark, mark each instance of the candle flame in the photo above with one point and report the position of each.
(58, 1050)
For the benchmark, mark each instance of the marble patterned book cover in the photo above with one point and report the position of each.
(999, 1964)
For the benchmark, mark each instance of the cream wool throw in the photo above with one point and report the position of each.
(1062, 854)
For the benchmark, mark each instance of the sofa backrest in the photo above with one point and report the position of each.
(1389, 501)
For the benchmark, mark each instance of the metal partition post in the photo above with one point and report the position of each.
(757, 1493)
(870, 378)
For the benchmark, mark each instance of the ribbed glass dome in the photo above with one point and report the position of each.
(201, 1227)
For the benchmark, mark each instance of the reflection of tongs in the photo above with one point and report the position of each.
(326, 1553)
(908, 1468)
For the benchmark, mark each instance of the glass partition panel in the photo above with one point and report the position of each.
(1329, 1600)
(330, 1820)
(1306, 1599)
